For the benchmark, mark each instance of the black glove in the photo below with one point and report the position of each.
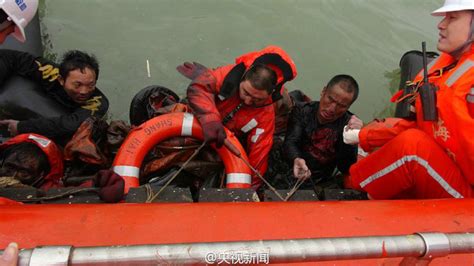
(214, 132)
(191, 70)
(111, 186)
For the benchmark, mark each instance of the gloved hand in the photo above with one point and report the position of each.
(111, 186)
(214, 132)
(191, 70)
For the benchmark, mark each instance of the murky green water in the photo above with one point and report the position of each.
(363, 38)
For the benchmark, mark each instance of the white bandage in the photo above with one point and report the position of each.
(350, 136)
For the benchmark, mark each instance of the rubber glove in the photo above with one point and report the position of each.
(191, 70)
(214, 132)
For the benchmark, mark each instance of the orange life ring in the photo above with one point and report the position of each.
(141, 139)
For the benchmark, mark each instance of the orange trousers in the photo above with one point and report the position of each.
(412, 165)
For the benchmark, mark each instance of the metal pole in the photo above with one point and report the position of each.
(421, 245)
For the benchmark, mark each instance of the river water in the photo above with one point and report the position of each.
(363, 38)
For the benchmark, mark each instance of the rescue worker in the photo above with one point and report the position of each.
(72, 85)
(422, 158)
(314, 142)
(240, 96)
(14, 16)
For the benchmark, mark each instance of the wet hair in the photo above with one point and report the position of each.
(3, 16)
(4, 22)
(261, 77)
(26, 151)
(347, 83)
(75, 59)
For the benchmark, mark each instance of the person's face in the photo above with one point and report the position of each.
(252, 96)
(26, 171)
(334, 103)
(454, 30)
(79, 85)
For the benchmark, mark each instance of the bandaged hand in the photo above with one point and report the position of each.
(350, 136)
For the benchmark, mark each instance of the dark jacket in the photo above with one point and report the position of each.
(321, 146)
(45, 74)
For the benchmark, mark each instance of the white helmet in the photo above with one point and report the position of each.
(21, 12)
(454, 5)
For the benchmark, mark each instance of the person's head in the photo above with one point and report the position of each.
(457, 27)
(25, 162)
(336, 98)
(257, 85)
(14, 16)
(78, 75)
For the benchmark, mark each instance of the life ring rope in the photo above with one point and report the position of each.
(143, 138)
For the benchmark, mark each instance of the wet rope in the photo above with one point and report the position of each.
(9, 181)
(152, 196)
(62, 195)
(295, 188)
(237, 153)
(261, 177)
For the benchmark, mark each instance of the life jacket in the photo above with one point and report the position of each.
(54, 155)
(453, 129)
(272, 56)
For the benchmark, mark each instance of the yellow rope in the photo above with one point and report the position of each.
(9, 181)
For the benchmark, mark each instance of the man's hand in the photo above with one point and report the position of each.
(350, 136)
(300, 169)
(11, 126)
(214, 132)
(10, 255)
(355, 123)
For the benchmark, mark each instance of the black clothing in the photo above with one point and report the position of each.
(45, 74)
(321, 146)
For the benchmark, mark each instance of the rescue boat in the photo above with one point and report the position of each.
(375, 232)
(439, 232)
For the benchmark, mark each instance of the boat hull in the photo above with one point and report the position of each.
(169, 223)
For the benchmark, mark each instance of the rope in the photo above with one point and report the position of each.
(177, 147)
(9, 181)
(151, 196)
(261, 177)
(58, 196)
(295, 188)
(237, 153)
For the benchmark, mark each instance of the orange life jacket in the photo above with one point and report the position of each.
(272, 56)
(454, 129)
(53, 153)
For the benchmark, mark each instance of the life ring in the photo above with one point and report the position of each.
(141, 139)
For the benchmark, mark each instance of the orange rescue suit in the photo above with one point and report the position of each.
(214, 94)
(424, 159)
